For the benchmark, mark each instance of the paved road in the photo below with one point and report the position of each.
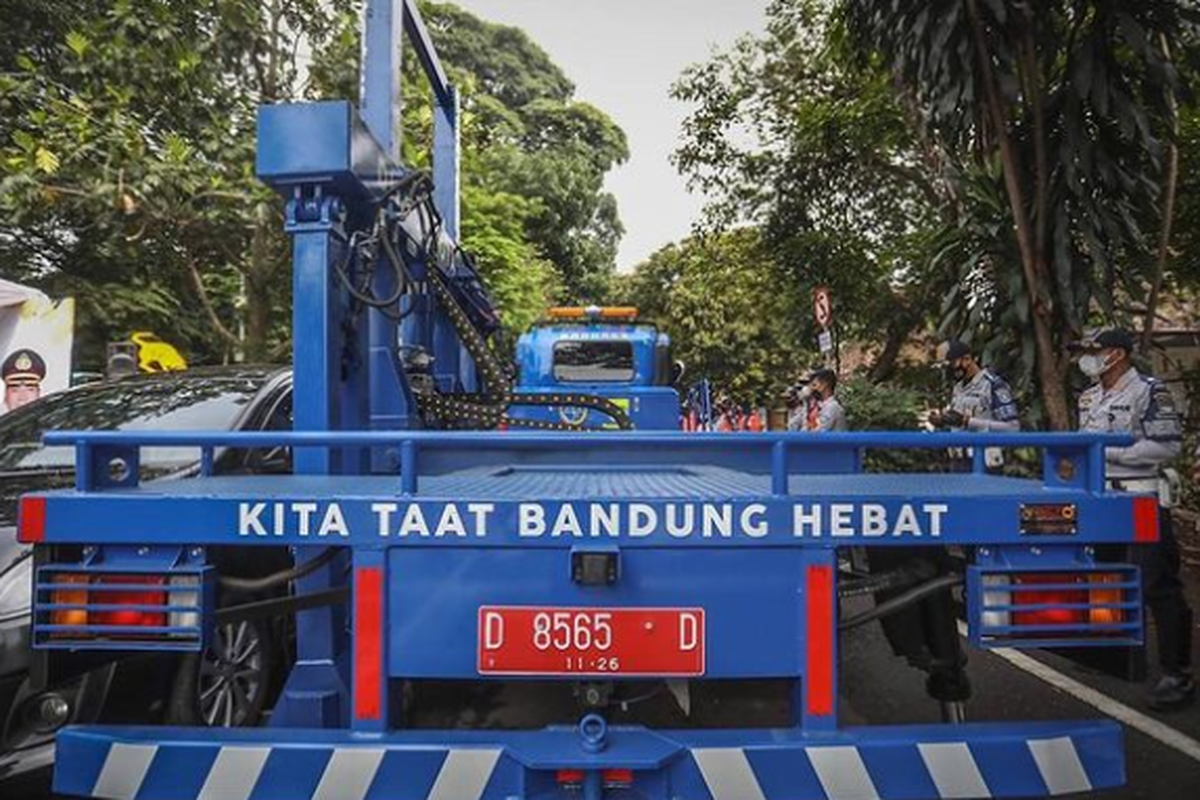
(879, 688)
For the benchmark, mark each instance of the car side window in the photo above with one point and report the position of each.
(275, 460)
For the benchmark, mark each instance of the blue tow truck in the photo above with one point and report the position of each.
(605, 352)
(496, 600)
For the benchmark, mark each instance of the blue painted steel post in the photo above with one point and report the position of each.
(322, 392)
(383, 36)
(380, 89)
(446, 178)
(451, 356)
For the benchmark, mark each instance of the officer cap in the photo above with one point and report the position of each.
(1113, 338)
(826, 375)
(956, 349)
(23, 367)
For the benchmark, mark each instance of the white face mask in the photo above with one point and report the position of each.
(1093, 364)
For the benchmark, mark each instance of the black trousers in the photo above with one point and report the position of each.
(1164, 595)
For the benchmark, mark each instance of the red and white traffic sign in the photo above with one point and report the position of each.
(823, 306)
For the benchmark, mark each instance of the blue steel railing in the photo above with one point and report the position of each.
(1070, 460)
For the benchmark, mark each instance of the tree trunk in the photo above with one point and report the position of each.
(1049, 370)
(1164, 245)
(1170, 190)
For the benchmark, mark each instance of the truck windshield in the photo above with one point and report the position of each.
(593, 361)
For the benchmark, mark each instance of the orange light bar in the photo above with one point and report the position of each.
(593, 312)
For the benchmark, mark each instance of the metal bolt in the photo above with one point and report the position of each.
(143, 551)
(89, 551)
(196, 552)
(983, 551)
(1037, 551)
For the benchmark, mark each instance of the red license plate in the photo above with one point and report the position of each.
(591, 641)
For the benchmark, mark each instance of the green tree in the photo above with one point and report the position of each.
(791, 133)
(1064, 107)
(541, 144)
(730, 312)
(127, 151)
(130, 144)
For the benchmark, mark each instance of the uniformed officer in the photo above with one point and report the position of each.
(980, 401)
(22, 372)
(1125, 401)
(819, 409)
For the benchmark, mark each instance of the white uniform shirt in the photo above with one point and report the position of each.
(988, 401)
(1139, 405)
(818, 416)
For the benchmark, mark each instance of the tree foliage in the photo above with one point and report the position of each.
(730, 312)
(127, 163)
(127, 152)
(540, 144)
(995, 168)
(792, 134)
(1063, 108)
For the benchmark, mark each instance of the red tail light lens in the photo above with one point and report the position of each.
(618, 778)
(569, 777)
(1049, 597)
(130, 618)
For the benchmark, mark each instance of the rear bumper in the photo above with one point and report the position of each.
(972, 760)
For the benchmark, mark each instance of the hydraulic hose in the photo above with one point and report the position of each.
(902, 601)
(909, 574)
(281, 578)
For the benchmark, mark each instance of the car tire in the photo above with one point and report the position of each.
(226, 685)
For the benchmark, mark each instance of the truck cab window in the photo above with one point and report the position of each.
(593, 361)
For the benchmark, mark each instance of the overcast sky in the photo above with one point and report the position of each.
(623, 56)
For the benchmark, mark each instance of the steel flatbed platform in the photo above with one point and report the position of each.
(516, 482)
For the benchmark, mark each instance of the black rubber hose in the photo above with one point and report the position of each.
(281, 578)
(910, 574)
(902, 601)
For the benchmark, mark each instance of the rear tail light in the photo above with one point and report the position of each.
(1011, 607)
(1104, 603)
(102, 610)
(618, 778)
(1046, 602)
(610, 778)
(569, 778)
(130, 609)
(68, 602)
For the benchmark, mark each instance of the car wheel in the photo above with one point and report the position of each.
(225, 686)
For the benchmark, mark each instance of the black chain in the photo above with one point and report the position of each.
(489, 407)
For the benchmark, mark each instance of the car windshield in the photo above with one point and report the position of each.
(167, 404)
